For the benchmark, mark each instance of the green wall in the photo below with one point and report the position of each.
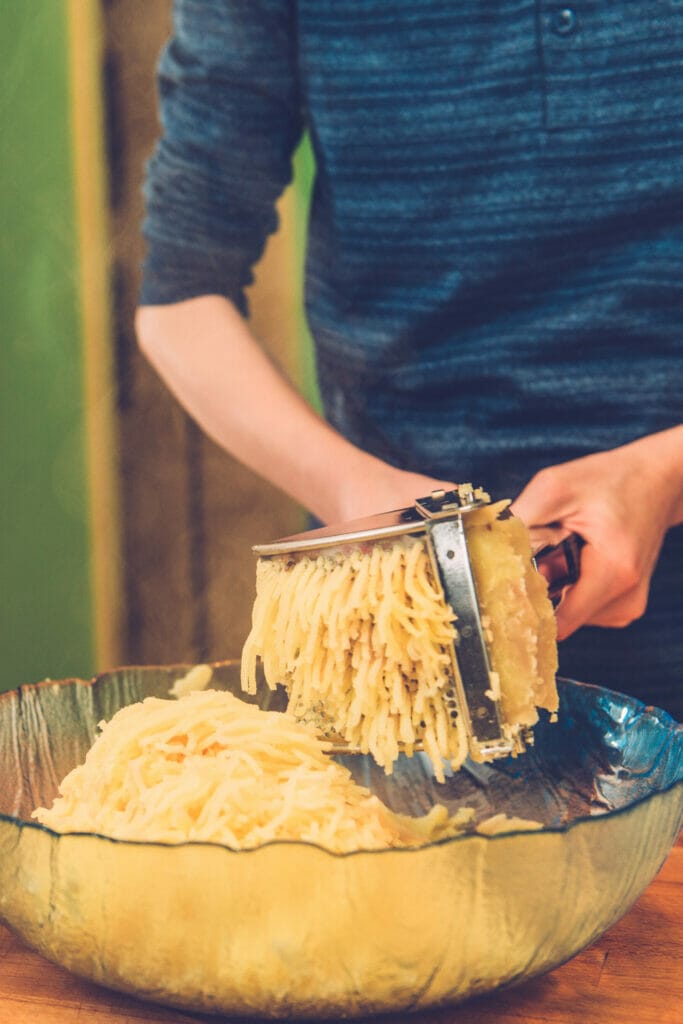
(45, 590)
(304, 174)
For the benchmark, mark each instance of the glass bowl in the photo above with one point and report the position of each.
(290, 930)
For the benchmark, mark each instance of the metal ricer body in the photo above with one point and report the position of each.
(441, 517)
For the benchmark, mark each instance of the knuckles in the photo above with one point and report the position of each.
(624, 611)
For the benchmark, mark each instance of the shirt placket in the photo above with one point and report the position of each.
(561, 30)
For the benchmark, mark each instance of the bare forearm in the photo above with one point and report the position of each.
(205, 353)
(667, 449)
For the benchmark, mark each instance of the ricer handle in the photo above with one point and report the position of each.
(560, 564)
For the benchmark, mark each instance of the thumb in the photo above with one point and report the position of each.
(544, 500)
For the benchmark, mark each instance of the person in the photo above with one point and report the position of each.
(494, 277)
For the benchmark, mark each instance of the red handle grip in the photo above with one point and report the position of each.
(560, 564)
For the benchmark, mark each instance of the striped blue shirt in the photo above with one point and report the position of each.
(495, 263)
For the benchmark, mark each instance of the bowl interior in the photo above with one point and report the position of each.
(290, 930)
(606, 752)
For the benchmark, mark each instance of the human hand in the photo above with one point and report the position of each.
(621, 502)
(210, 359)
(380, 487)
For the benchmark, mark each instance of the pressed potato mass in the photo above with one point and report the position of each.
(360, 638)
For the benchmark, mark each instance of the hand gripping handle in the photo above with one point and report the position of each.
(560, 564)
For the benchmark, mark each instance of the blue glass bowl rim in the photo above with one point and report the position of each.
(592, 820)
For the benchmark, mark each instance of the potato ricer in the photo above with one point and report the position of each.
(441, 518)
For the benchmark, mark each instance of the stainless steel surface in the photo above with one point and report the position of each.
(410, 520)
(372, 528)
(471, 666)
(440, 517)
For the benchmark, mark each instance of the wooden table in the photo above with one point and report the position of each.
(632, 975)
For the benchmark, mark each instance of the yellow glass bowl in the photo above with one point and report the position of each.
(289, 929)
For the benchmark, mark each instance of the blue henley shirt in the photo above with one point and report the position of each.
(495, 262)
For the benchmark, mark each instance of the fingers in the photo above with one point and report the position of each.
(546, 499)
(625, 610)
(607, 593)
(384, 489)
(599, 497)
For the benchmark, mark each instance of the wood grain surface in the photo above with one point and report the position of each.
(190, 513)
(632, 975)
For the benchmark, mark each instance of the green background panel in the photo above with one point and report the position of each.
(45, 595)
(304, 174)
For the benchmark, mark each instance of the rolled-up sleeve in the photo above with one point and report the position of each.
(230, 114)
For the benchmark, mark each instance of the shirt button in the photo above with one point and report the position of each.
(564, 21)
